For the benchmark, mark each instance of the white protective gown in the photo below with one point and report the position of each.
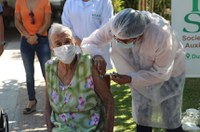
(83, 18)
(157, 67)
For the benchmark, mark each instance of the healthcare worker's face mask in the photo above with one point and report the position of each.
(125, 46)
(128, 43)
(65, 53)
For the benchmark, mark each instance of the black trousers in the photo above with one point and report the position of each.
(149, 129)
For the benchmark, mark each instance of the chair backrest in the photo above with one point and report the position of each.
(1, 121)
(4, 126)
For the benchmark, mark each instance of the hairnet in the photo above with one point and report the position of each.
(57, 28)
(129, 23)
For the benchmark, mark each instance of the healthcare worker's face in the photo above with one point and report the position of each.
(128, 41)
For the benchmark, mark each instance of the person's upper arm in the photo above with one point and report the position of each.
(48, 7)
(48, 12)
(17, 6)
(65, 15)
(107, 12)
(96, 40)
(17, 11)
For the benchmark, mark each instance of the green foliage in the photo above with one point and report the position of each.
(161, 7)
(131, 4)
(118, 5)
(191, 95)
(123, 114)
(121, 4)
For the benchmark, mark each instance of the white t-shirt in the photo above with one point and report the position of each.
(85, 17)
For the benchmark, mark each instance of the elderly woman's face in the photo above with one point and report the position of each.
(60, 39)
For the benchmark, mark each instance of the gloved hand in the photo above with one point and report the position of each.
(120, 79)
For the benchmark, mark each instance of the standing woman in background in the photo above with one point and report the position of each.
(32, 19)
(85, 16)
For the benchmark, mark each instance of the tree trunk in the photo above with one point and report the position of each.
(163, 9)
(151, 5)
(145, 4)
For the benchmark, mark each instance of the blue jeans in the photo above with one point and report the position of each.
(28, 54)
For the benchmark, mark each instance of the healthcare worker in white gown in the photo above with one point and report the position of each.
(85, 16)
(150, 59)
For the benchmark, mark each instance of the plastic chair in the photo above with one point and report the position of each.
(4, 125)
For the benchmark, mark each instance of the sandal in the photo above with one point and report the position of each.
(30, 110)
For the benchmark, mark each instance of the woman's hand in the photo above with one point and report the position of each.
(99, 64)
(120, 79)
(33, 39)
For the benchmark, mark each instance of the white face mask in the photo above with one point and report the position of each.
(65, 53)
(125, 46)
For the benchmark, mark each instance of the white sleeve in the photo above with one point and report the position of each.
(107, 12)
(65, 18)
(164, 55)
(99, 38)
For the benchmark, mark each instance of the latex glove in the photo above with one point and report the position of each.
(120, 79)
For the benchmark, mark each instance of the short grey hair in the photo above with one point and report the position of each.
(57, 28)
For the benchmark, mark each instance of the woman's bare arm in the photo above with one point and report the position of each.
(46, 24)
(48, 110)
(102, 88)
(20, 27)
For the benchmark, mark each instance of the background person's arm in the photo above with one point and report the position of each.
(65, 18)
(107, 12)
(65, 15)
(47, 22)
(20, 27)
(47, 18)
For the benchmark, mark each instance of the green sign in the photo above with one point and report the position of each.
(189, 18)
(192, 56)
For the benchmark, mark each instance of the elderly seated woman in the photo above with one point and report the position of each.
(77, 99)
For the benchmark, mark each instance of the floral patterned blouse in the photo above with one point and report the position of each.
(75, 107)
